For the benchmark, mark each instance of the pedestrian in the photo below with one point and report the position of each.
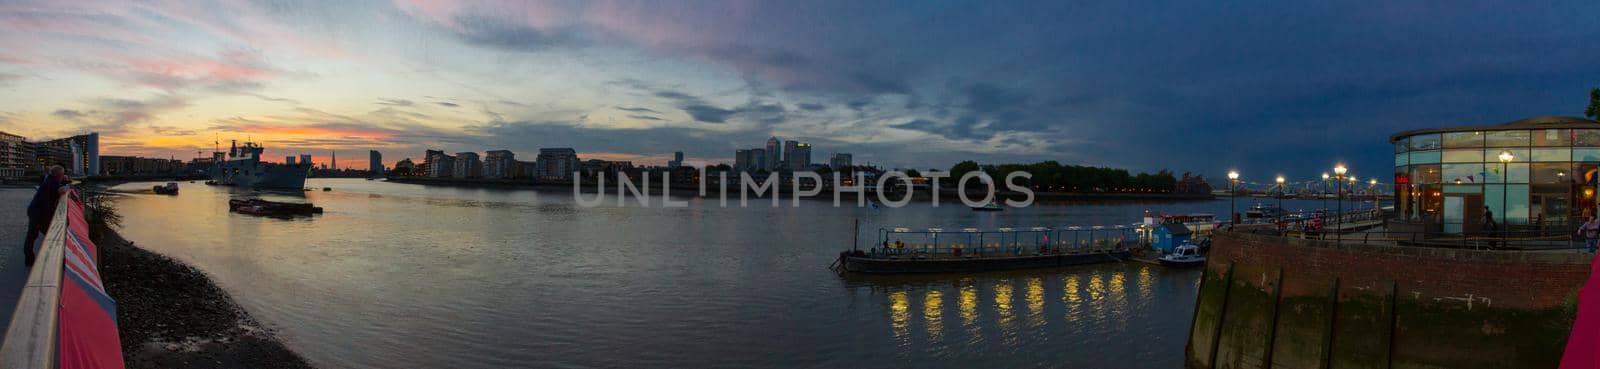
(1489, 226)
(42, 209)
(1590, 231)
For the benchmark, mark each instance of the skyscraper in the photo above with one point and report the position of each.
(677, 160)
(774, 154)
(335, 159)
(840, 161)
(796, 155)
(374, 164)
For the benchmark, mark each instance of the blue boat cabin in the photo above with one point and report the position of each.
(1169, 235)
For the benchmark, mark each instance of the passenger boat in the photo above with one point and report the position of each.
(1185, 255)
(970, 250)
(170, 189)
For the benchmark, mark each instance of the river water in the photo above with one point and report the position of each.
(401, 275)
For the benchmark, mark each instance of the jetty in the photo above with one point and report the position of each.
(936, 250)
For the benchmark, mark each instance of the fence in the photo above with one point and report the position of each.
(63, 318)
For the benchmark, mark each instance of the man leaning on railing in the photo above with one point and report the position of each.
(42, 209)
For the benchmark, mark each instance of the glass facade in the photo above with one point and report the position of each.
(1450, 179)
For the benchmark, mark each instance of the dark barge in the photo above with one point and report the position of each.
(971, 250)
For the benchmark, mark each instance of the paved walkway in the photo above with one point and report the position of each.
(13, 227)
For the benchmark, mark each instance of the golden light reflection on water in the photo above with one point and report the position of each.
(899, 315)
(1002, 304)
(968, 304)
(932, 314)
(1035, 302)
(1146, 283)
(1071, 297)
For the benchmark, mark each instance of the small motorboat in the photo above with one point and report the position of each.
(989, 207)
(1185, 255)
(170, 189)
(1264, 211)
(325, 189)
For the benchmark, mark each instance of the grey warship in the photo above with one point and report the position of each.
(243, 167)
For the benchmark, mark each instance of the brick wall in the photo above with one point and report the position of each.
(1510, 279)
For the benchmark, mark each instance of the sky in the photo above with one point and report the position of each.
(1264, 87)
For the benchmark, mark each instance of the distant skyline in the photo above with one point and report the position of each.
(1267, 88)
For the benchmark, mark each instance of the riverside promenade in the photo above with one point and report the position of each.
(13, 273)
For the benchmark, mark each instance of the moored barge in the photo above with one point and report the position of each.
(936, 250)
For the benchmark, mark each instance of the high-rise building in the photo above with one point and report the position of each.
(774, 154)
(677, 160)
(305, 159)
(468, 165)
(499, 164)
(796, 155)
(741, 160)
(334, 159)
(15, 156)
(374, 163)
(440, 165)
(558, 163)
(840, 161)
(80, 154)
(289, 160)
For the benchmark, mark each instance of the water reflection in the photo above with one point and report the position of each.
(397, 275)
(932, 311)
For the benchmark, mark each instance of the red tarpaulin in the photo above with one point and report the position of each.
(1583, 345)
(87, 325)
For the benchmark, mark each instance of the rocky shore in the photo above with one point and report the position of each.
(171, 315)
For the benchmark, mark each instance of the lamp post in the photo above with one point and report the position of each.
(1233, 196)
(1280, 192)
(1372, 188)
(1338, 172)
(1505, 180)
(1324, 194)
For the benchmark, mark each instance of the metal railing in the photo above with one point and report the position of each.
(30, 341)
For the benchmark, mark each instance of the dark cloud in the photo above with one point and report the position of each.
(708, 113)
(812, 106)
(499, 33)
(637, 109)
(645, 117)
(276, 99)
(68, 114)
(447, 104)
(395, 102)
(529, 136)
(952, 131)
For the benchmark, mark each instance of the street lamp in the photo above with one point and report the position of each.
(1372, 187)
(1338, 172)
(1233, 197)
(1505, 180)
(1324, 194)
(1280, 192)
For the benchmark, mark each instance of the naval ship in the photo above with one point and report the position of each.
(243, 167)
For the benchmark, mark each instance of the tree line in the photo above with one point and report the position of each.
(1052, 176)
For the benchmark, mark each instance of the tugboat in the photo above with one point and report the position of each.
(1185, 255)
(170, 189)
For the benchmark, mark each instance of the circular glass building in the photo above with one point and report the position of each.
(1535, 173)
